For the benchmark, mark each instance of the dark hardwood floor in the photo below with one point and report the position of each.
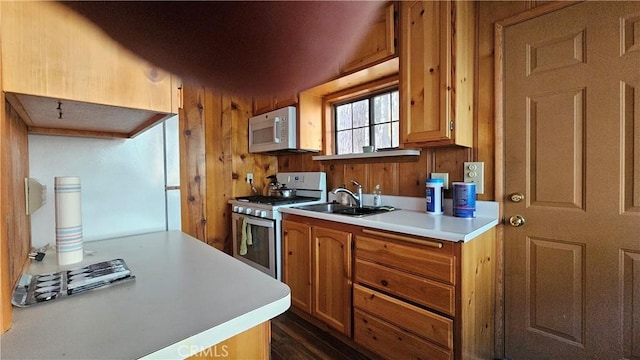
(293, 338)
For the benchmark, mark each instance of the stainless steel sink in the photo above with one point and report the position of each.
(335, 208)
(325, 208)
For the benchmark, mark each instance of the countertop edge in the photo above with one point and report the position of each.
(208, 338)
(409, 230)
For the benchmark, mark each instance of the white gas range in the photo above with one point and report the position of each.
(257, 223)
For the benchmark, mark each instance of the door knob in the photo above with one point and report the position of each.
(516, 220)
(517, 197)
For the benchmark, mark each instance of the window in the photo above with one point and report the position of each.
(373, 120)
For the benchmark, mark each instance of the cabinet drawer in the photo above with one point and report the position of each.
(433, 294)
(392, 342)
(438, 264)
(436, 328)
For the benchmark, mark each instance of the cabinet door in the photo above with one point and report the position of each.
(423, 71)
(332, 275)
(48, 50)
(285, 100)
(436, 72)
(296, 270)
(377, 45)
(262, 104)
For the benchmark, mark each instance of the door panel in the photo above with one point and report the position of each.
(572, 147)
(631, 145)
(555, 288)
(556, 146)
(631, 303)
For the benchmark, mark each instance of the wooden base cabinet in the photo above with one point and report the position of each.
(394, 328)
(254, 343)
(417, 298)
(317, 268)
(296, 270)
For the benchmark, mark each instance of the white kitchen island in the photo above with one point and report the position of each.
(186, 297)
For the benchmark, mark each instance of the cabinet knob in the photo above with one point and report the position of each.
(384, 282)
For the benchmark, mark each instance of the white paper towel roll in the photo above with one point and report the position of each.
(68, 220)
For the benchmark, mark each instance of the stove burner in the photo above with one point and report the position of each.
(275, 200)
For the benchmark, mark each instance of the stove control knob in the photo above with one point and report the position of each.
(240, 209)
(263, 214)
(249, 211)
(235, 208)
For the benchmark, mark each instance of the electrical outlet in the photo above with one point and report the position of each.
(474, 172)
(249, 178)
(443, 176)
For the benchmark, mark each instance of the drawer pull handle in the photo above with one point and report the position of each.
(434, 244)
(384, 282)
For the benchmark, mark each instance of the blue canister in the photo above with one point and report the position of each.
(464, 199)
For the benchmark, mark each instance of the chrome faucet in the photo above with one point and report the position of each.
(357, 198)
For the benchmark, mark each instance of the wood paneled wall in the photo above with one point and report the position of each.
(404, 177)
(15, 226)
(215, 161)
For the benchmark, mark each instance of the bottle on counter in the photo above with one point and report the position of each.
(435, 194)
(343, 198)
(377, 196)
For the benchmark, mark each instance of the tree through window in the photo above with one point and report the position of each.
(373, 120)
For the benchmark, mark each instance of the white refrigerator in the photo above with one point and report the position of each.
(128, 186)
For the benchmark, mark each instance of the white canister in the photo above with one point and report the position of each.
(434, 194)
(68, 220)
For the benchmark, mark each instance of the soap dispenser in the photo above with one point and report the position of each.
(377, 196)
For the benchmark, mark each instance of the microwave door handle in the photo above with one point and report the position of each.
(276, 129)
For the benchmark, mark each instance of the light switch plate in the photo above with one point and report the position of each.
(443, 176)
(474, 172)
(35, 195)
(249, 178)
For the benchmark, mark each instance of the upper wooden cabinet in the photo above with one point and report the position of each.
(63, 75)
(378, 45)
(263, 104)
(437, 72)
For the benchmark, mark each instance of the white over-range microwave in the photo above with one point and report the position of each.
(273, 131)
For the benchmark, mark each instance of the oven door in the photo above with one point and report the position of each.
(258, 249)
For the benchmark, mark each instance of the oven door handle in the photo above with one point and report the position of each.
(255, 221)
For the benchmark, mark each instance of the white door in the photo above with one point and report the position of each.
(572, 149)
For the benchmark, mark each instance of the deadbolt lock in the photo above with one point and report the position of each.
(517, 197)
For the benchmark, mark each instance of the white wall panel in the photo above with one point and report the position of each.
(123, 186)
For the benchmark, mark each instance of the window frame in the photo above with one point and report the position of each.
(371, 126)
(361, 91)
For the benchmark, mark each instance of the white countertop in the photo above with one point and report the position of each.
(411, 219)
(187, 296)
